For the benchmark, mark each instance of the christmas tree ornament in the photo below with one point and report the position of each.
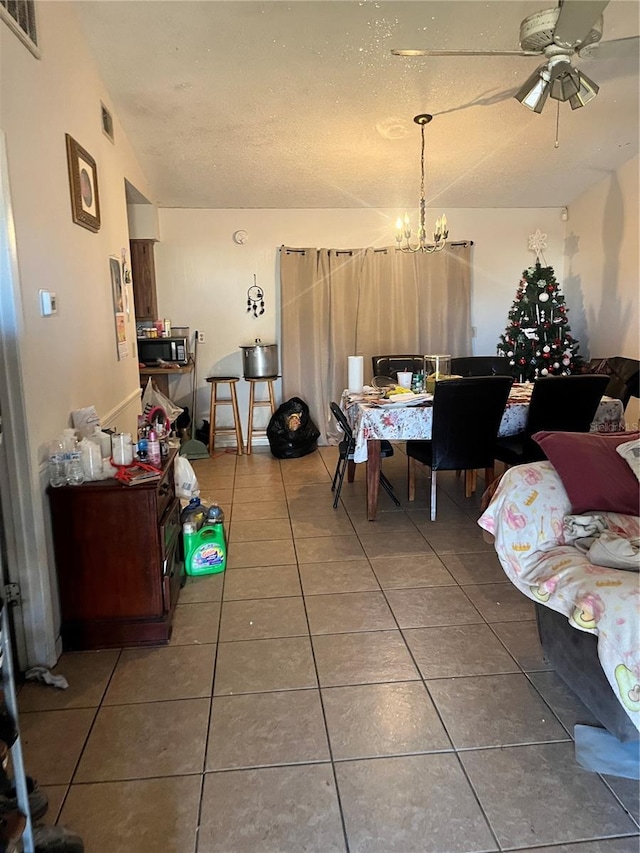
(544, 371)
(556, 365)
(538, 242)
(544, 297)
(542, 282)
(546, 348)
(255, 299)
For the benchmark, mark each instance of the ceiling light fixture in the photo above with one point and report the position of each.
(403, 225)
(559, 80)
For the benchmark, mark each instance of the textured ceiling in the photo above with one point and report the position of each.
(235, 103)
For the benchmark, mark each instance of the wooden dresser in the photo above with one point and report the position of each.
(118, 560)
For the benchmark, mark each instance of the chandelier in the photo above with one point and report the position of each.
(403, 225)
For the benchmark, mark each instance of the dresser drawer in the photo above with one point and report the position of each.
(165, 491)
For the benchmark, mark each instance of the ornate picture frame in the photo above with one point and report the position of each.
(83, 184)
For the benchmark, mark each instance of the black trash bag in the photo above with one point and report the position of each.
(202, 433)
(291, 432)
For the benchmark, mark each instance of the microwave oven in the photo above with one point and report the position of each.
(175, 349)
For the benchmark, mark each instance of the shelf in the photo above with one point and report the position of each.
(161, 375)
(166, 371)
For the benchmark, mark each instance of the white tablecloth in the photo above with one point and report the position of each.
(403, 423)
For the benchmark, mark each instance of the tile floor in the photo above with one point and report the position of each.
(344, 686)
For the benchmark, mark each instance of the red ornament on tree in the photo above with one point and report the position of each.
(522, 361)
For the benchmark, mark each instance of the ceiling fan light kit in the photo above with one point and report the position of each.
(574, 27)
(403, 224)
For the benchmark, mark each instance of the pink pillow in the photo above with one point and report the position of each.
(594, 475)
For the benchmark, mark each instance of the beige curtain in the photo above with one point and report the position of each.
(366, 302)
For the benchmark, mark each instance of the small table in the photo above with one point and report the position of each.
(371, 424)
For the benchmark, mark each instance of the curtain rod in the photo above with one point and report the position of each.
(464, 243)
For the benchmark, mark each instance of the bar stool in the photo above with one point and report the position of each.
(232, 401)
(256, 404)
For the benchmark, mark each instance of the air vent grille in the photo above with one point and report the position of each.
(107, 122)
(20, 16)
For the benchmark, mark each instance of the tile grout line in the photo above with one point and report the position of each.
(322, 707)
(88, 735)
(213, 681)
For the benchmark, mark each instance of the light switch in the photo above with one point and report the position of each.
(48, 303)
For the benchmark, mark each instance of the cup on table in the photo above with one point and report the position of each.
(404, 378)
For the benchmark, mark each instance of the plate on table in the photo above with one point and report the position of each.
(401, 400)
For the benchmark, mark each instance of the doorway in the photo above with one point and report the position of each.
(24, 554)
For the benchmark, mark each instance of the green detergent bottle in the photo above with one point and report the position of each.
(205, 548)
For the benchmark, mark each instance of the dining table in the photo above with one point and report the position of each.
(374, 419)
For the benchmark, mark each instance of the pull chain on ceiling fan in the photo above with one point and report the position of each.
(574, 28)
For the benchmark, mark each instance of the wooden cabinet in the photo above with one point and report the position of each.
(118, 561)
(143, 276)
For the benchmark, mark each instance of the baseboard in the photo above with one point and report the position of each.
(108, 419)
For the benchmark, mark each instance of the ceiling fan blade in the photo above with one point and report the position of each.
(626, 48)
(575, 21)
(417, 52)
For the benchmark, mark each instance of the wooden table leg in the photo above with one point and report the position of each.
(373, 477)
(351, 471)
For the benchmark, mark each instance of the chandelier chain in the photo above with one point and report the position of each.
(403, 226)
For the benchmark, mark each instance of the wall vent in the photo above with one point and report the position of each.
(20, 16)
(107, 121)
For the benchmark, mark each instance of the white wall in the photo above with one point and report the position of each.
(601, 267)
(203, 275)
(69, 360)
(602, 263)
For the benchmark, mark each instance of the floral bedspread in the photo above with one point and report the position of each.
(525, 517)
(414, 422)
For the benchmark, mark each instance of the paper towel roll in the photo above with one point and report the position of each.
(356, 373)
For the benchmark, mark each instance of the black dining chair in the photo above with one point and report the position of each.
(481, 365)
(346, 449)
(466, 418)
(558, 403)
(390, 365)
(623, 374)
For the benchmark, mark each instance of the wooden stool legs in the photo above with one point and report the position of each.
(232, 401)
(253, 404)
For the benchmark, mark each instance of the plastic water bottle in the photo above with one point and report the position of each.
(74, 469)
(57, 466)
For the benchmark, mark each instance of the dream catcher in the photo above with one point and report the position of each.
(255, 299)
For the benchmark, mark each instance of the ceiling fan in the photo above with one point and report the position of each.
(573, 28)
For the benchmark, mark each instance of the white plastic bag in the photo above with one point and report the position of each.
(187, 485)
(152, 398)
(85, 420)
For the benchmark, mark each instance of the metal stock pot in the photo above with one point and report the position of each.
(259, 360)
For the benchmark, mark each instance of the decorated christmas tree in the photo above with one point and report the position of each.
(538, 340)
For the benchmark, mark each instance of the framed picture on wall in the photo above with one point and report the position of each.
(118, 293)
(83, 183)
